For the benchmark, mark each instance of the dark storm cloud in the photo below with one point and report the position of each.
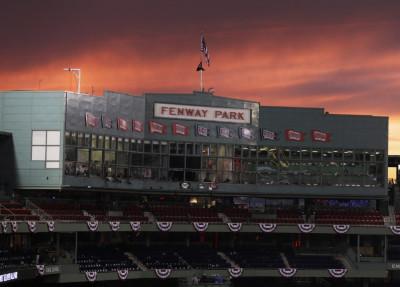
(38, 32)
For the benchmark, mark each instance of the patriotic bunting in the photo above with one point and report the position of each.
(51, 226)
(200, 226)
(163, 273)
(4, 224)
(92, 225)
(31, 225)
(306, 227)
(395, 229)
(164, 226)
(235, 272)
(135, 225)
(91, 275)
(341, 228)
(337, 273)
(40, 269)
(114, 225)
(14, 226)
(234, 226)
(267, 227)
(287, 272)
(122, 274)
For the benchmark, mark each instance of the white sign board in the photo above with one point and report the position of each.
(202, 113)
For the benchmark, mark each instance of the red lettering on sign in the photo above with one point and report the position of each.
(240, 116)
(204, 113)
(232, 115)
(197, 113)
(181, 111)
(163, 109)
(189, 112)
(172, 111)
(218, 114)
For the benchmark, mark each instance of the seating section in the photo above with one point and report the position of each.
(158, 257)
(349, 216)
(313, 262)
(237, 214)
(9, 258)
(13, 210)
(184, 213)
(255, 257)
(63, 211)
(103, 259)
(203, 257)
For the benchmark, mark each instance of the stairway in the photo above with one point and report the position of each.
(136, 261)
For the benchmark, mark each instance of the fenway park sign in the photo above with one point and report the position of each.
(202, 113)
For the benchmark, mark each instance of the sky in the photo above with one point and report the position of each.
(342, 55)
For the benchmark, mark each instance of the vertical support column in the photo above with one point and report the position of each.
(358, 248)
(385, 249)
(76, 248)
(58, 245)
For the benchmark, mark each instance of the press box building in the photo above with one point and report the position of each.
(190, 143)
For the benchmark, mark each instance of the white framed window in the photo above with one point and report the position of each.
(46, 147)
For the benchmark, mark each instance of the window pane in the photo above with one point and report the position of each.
(52, 164)
(38, 137)
(53, 153)
(38, 153)
(53, 138)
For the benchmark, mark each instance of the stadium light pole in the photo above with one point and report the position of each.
(77, 74)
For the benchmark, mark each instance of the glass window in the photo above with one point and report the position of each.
(295, 154)
(81, 141)
(238, 151)
(120, 145)
(113, 143)
(147, 146)
(172, 148)
(164, 147)
(38, 137)
(83, 155)
(107, 142)
(348, 155)
(133, 146)
(53, 153)
(38, 152)
(305, 154)
(139, 146)
(86, 140)
(53, 138)
(53, 164)
(379, 155)
(156, 147)
(94, 141)
(316, 154)
(100, 142)
(126, 144)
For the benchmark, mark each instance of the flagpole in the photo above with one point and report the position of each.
(201, 81)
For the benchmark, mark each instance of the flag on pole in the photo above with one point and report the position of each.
(200, 67)
(204, 49)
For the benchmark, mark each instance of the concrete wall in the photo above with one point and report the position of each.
(24, 111)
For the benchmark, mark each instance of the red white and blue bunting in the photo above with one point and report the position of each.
(4, 225)
(337, 273)
(235, 226)
(91, 275)
(135, 225)
(267, 227)
(287, 272)
(92, 225)
(163, 273)
(306, 227)
(235, 272)
(14, 226)
(51, 225)
(200, 226)
(31, 225)
(40, 269)
(341, 228)
(114, 225)
(123, 274)
(164, 226)
(395, 229)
